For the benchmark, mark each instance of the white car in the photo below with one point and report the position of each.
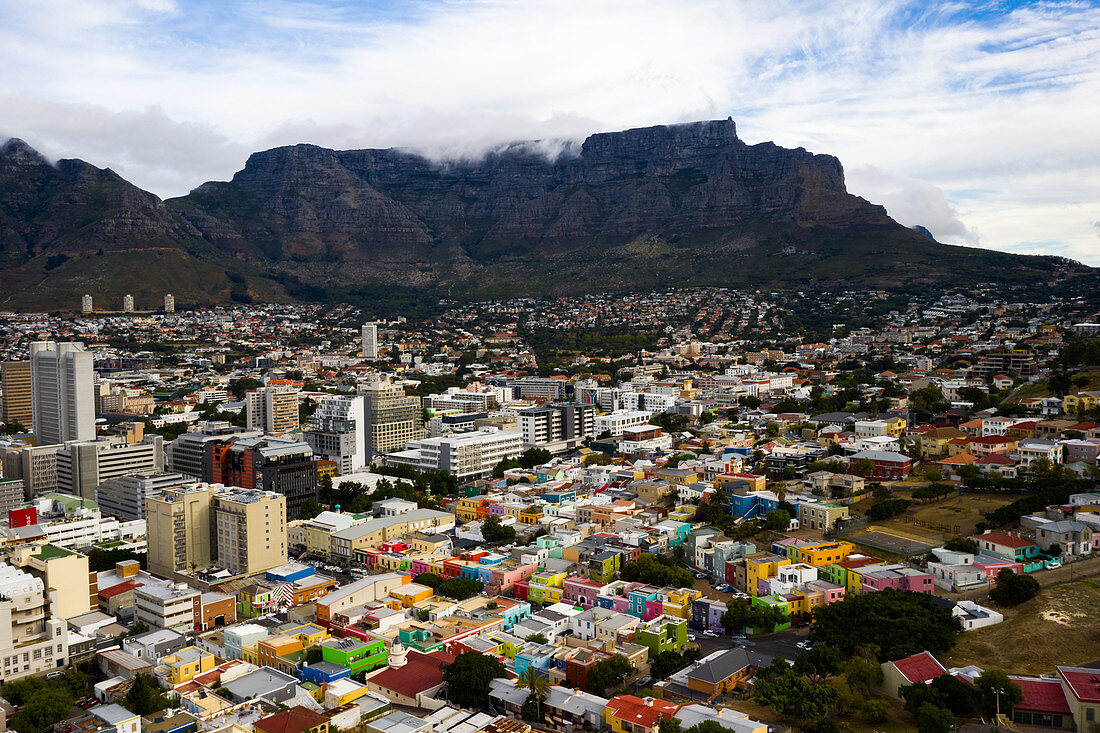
(803, 645)
(1053, 564)
(711, 634)
(691, 637)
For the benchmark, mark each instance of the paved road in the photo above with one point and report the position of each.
(780, 644)
(892, 543)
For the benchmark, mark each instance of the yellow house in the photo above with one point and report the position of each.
(317, 538)
(934, 442)
(507, 645)
(1082, 400)
(679, 476)
(761, 566)
(678, 602)
(826, 553)
(895, 426)
(412, 593)
(531, 514)
(184, 665)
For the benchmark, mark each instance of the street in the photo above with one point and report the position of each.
(780, 644)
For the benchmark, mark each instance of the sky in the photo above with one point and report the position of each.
(977, 120)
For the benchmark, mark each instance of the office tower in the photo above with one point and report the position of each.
(128, 303)
(557, 428)
(283, 465)
(272, 409)
(178, 530)
(84, 465)
(370, 341)
(124, 496)
(86, 304)
(337, 432)
(199, 526)
(15, 379)
(31, 642)
(185, 453)
(61, 392)
(11, 494)
(250, 530)
(465, 455)
(169, 303)
(390, 419)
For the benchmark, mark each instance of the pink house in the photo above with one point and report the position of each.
(506, 578)
(581, 591)
(653, 609)
(993, 565)
(898, 577)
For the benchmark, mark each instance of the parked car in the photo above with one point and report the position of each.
(711, 634)
(691, 637)
(645, 680)
(739, 637)
(54, 675)
(804, 644)
(1053, 564)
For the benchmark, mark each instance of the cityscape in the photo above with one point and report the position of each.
(676, 508)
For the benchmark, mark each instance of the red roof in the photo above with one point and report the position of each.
(299, 718)
(1083, 682)
(1042, 695)
(421, 672)
(118, 588)
(1006, 540)
(920, 667)
(999, 459)
(638, 711)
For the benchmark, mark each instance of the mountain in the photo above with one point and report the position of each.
(657, 206)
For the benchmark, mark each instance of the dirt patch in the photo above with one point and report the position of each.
(1060, 627)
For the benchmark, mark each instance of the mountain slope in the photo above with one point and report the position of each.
(666, 205)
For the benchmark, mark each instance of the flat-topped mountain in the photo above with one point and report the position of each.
(666, 205)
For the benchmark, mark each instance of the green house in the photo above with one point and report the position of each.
(663, 634)
(355, 654)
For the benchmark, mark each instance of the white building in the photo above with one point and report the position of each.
(465, 455)
(616, 422)
(337, 432)
(272, 409)
(370, 341)
(84, 465)
(124, 496)
(63, 402)
(644, 438)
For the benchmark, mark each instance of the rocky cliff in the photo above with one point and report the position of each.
(666, 205)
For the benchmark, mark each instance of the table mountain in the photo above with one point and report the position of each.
(665, 205)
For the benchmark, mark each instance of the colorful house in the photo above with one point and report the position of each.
(761, 566)
(184, 665)
(355, 654)
(662, 634)
(630, 714)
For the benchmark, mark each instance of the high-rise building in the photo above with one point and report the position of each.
(86, 304)
(199, 526)
(185, 453)
(169, 303)
(15, 378)
(272, 409)
(283, 465)
(390, 418)
(337, 432)
(557, 428)
(178, 528)
(370, 341)
(84, 465)
(124, 496)
(31, 641)
(70, 586)
(62, 393)
(250, 530)
(128, 303)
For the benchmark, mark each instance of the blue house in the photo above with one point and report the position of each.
(753, 504)
(320, 673)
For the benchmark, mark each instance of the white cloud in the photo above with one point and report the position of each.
(924, 112)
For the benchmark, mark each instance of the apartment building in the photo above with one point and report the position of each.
(172, 606)
(179, 529)
(70, 587)
(15, 378)
(61, 390)
(84, 465)
(390, 418)
(337, 432)
(465, 455)
(31, 641)
(283, 465)
(272, 409)
(370, 341)
(557, 428)
(186, 453)
(124, 496)
(613, 424)
(345, 543)
(250, 530)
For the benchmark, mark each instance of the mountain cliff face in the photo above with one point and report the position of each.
(666, 205)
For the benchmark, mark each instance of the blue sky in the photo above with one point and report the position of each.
(975, 119)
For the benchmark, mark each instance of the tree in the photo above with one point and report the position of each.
(878, 491)
(608, 673)
(537, 638)
(313, 655)
(534, 457)
(998, 694)
(961, 544)
(459, 588)
(887, 509)
(493, 531)
(894, 623)
(876, 711)
(597, 459)
(430, 580)
(1012, 589)
(469, 676)
(864, 467)
(777, 519)
(538, 685)
(955, 695)
(861, 671)
(934, 719)
(818, 663)
(656, 570)
(309, 509)
(787, 693)
(145, 696)
(531, 710)
(40, 712)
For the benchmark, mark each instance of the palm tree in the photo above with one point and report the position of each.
(538, 685)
